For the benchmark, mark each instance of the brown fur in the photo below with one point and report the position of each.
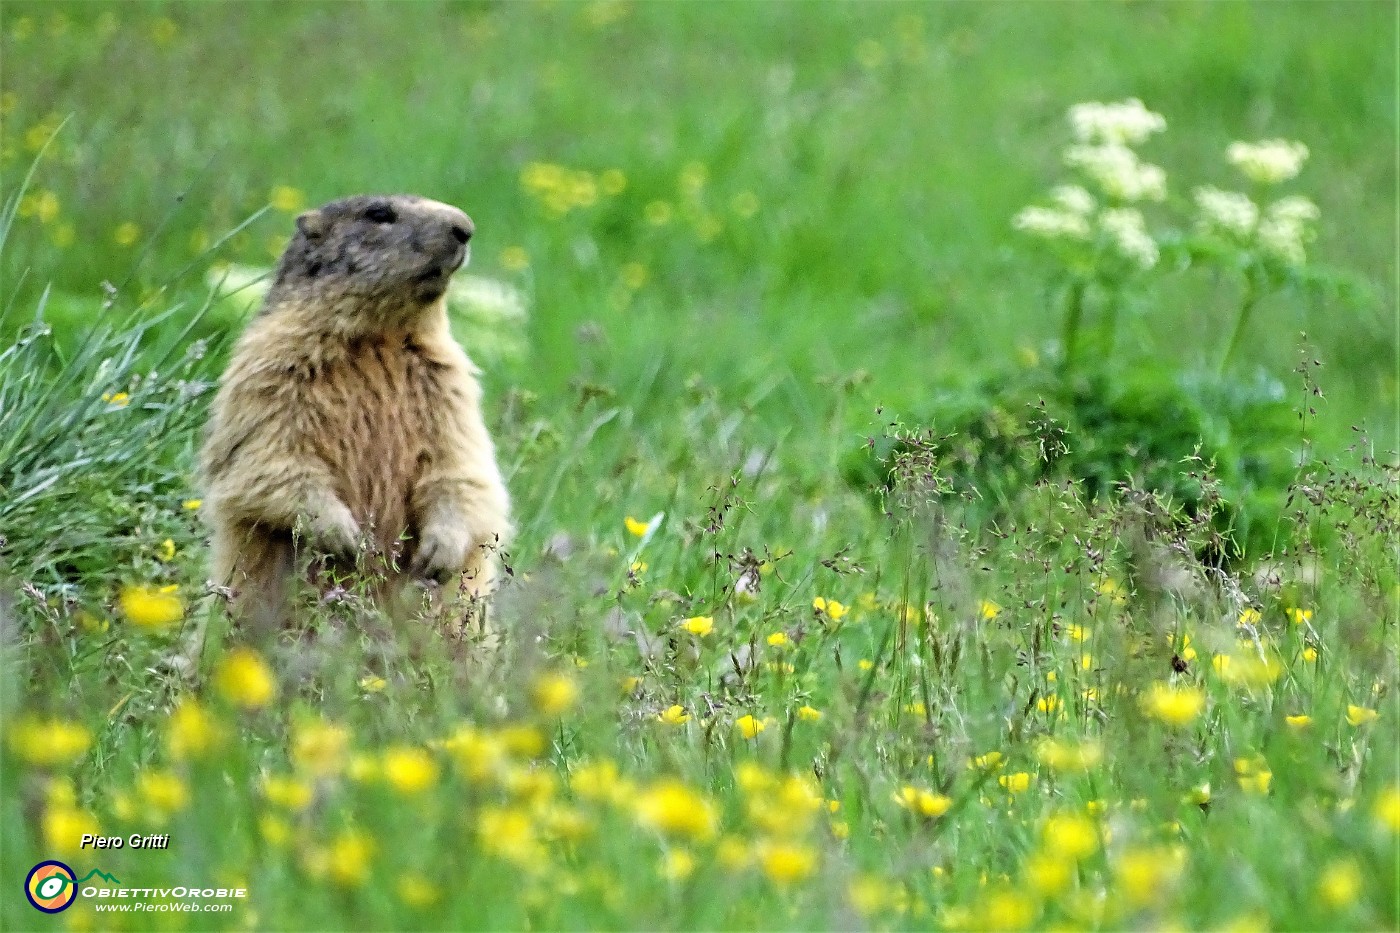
(348, 412)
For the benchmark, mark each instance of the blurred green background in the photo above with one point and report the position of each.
(805, 191)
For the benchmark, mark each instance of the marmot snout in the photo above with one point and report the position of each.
(348, 410)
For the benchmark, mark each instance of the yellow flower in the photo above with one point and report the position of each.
(638, 567)
(778, 639)
(749, 727)
(1199, 795)
(554, 693)
(1250, 616)
(1301, 721)
(319, 747)
(674, 715)
(191, 732)
(1048, 703)
(673, 809)
(119, 399)
(192, 504)
(922, 802)
(988, 610)
(287, 792)
(832, 609)
(1069, 756)
(1006, 909)
(1078, 633)
(47, 742)
(1248, 670)
(1299, 616)
(417, 891)
(151, 607)
(1310, 654)
(1072, 836)
(167, 550)
(275, 831)
(808, 714)
(286, 199)
(1173, 705)
(64, 826)
(988, 761)
(1048, 873)
(677, 865)
(163, 791)
(349, 858)
(599, 780)
(786, 863)
(514, 258)
(522, 741)
(1015, 783)
(699, 625)
(245, 680)
(635, 527)
(372, 683)
(865, 664)
(1253, 774)
(126, 234)
(1387, 809)
(409, 770)
(1146, 875)
(1361, 715)
(1340, 884)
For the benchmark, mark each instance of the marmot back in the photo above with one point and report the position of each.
(350, 415)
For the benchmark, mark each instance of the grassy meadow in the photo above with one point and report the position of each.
(1104, 641)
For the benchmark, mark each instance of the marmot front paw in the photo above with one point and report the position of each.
(441, 553)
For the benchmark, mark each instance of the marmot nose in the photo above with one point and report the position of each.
(461, 233)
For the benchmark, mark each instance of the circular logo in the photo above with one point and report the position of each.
(51, 887)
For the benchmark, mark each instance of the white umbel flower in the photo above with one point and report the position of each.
(486, 299)
(1285, 228)
(1119, 172)
(1128, 232)
(1073, 198)
(1226, 211)
(1052, 223)
(1127, 121)
(1269, 161)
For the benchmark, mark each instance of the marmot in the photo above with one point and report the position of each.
(348, 414)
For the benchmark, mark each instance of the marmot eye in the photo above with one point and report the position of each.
(381, 214)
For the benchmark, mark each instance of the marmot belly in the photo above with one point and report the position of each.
(375, 421)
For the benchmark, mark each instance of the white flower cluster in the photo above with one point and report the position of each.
(1118, 171)
(1068, 219)
(1281, 231)
(1269, 161)
(488, 316)
(1226, 212)
(485, 299)
(1284, 228)
(1127, 122)
(1127, 231)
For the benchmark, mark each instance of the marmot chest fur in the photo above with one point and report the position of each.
(349, 412)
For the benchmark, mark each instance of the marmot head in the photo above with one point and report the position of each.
(373, 253)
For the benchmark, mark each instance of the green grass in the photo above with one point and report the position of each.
(886, 148)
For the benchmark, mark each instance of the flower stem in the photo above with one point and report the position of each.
(1074, 315)
(1251, 298)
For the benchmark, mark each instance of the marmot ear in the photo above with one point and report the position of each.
(312, 225)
